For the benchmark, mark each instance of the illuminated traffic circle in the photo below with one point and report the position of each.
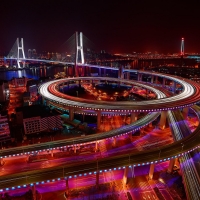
(189, 96)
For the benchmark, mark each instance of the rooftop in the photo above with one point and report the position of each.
(36, 110)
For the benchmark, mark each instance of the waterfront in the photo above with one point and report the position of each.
(33, 72)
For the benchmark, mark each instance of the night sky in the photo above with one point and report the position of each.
(120, 26)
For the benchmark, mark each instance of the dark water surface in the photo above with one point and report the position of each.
(33, 72)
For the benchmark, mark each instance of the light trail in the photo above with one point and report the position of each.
(190, 175)
(188, 97)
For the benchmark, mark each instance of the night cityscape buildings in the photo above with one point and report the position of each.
(100, 124)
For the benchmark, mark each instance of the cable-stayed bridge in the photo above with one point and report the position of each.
(17, 53)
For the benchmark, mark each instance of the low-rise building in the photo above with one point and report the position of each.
(31, 87)
(4, 91)
(38, 118)
(17, 82)
(4, 128)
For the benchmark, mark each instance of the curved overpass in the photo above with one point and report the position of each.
(17, 151)
(80, 140)
(112, 163)
(190, 97)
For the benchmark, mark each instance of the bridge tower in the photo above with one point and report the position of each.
(20, 47)
(182, 47)
(79, 48)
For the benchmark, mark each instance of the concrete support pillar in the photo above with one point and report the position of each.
(67, 71)
(125, 177)
(76, 70)
(86, 71)
(122, 72)
(82, 71)
(52, 153)
(171, 166)
(185, 112)
(156, 79)
(98, 119)
(79, 69)
(114, 143)
(134, 117)
(152, 79)
(150, 125)
(130, 136)
(33, 192)
(67, 188)
(89, 71)
(71, 114)
(1, 161)
(119, 73)
(67, 184)
(125, 75)
(74, 148)
(100, 72)
(132, 171)
(139, 77)
(177, 162)
(163, 118)
(96, 146)
(97, 179)
(151, 171)
(83, 117)
(174, 87)
(163, 82)
(104, 72)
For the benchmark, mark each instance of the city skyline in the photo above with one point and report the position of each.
(99, 99)
(116, 27)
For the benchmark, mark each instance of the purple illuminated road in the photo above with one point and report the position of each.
(111, 184)
(152, 138)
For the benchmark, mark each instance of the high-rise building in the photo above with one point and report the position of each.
(29, 53)
(34, 53)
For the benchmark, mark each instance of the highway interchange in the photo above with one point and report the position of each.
(188, 97)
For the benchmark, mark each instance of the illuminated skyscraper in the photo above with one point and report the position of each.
(182, 47)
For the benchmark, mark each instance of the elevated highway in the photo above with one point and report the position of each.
(25, 150)
(190, 174)
(112, 163)
(187, 98)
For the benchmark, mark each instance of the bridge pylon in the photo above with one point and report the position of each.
(20, 47)
(79, 48)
